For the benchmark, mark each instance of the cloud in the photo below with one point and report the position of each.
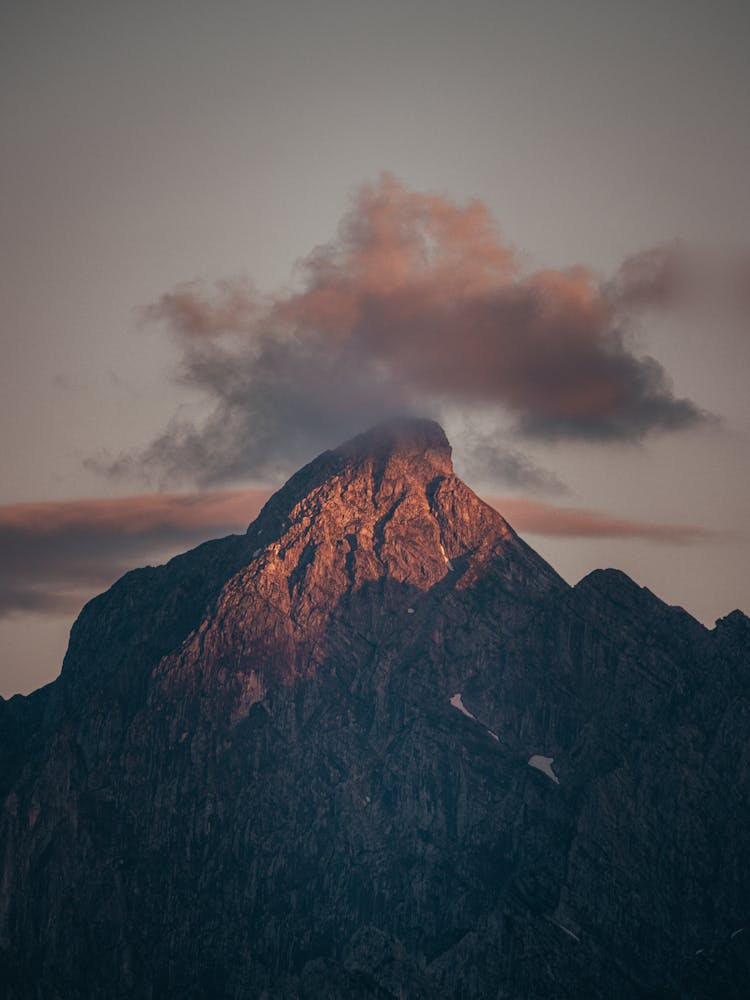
(654, 278)
(535, 518)
(487, 459)
(417, 305)
(57, 555)
(674, 275)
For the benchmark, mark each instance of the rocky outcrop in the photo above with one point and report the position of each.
(377, 747)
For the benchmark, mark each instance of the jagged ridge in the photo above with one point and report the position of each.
(295, 763)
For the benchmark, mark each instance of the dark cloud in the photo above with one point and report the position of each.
(636, 398)
(418, 304)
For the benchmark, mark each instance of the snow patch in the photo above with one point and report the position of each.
(569, 932)
(448, 563)
(562, 927)
(458, 703)
(544, 764)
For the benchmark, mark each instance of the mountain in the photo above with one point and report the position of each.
(377, 747)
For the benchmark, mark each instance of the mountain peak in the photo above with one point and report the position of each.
(409, 448)
(402, 436)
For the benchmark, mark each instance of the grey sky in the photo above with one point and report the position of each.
(149, 144)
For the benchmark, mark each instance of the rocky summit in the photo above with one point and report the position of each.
(377, 747)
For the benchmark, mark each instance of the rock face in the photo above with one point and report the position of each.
(378, 748)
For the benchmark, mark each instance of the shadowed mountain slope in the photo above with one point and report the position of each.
(374, 748)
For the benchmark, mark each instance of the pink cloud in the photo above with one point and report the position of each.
(535, 518)
(56, 555)
(143, 514)
(417, 303)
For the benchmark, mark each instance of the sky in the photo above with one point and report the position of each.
(234, 234)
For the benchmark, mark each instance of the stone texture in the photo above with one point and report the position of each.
(249, 780)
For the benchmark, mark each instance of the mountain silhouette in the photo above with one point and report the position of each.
(377, 747)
